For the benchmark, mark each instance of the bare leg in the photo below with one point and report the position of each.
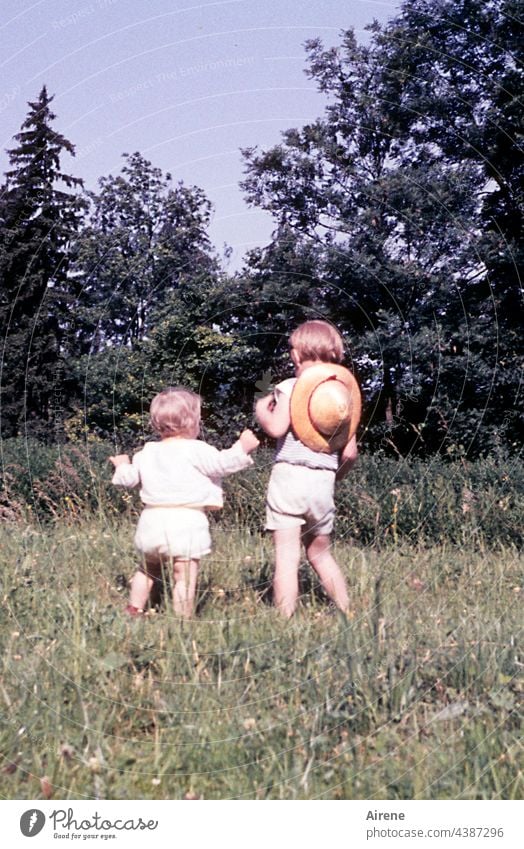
(318, 550)
(140, 589)
(185, 574)
(143, 580)
(287, 561)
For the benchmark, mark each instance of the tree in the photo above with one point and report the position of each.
(189, 346)
(392, 188)
(41, 215)
(463, 104)
(278, 287)
(152, 307)
(144, 239)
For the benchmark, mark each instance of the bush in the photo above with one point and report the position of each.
(42, 482)
(432, 500)
(384, 500)
(381, 501)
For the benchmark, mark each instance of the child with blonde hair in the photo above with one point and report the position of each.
(300, 497)
(180, 478)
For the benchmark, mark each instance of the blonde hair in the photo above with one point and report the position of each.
(317, 340)
(176, 412)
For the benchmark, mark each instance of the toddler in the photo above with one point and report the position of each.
(300, 497)
(180, 478)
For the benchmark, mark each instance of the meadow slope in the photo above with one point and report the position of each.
(416, 695)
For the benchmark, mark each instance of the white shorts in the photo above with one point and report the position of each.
(297, 496)
(177, 532)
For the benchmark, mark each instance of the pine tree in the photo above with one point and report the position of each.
(39, 217)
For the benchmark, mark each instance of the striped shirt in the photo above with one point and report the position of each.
(291, 450)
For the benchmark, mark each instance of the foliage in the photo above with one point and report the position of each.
(279, 287)
(392, 192)
(384, 501)
(40, 482)
(151, 310)
(186, 347)
(398, 216)
(144, 239)
(462, 104)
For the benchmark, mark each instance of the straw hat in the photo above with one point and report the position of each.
(325, 407)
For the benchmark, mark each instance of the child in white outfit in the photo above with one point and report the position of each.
(180, 478)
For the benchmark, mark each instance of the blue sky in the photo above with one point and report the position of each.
(185, 83)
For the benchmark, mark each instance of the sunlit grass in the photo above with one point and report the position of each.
(415, 696)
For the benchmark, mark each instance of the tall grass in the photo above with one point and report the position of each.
(382, 501)
(417, 695)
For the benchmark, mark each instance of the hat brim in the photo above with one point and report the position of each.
(303, 427)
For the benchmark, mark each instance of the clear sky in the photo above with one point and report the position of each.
(185, 83)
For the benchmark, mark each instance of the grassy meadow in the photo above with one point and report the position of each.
(416, 695)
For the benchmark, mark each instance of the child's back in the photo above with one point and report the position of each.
(179, 478)
(300, 498)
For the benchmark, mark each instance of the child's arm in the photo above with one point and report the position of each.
(348, 458)
(248, 441)
(215, 464)
(273, 414)
(126, 474)
(120, 460)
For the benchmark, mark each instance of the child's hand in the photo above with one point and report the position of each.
(248, 441)
(120, 460)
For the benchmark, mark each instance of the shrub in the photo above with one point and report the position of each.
(381, 501)
(43, 482)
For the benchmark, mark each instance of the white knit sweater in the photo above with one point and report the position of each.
(179, 472)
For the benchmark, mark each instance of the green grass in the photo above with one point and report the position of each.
(417, 696)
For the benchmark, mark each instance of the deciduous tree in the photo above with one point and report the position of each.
(413, 235)
(144, 239)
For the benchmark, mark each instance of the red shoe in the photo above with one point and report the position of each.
(133, 611)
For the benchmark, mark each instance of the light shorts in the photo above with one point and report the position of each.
(297, 496)
(177, 532)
